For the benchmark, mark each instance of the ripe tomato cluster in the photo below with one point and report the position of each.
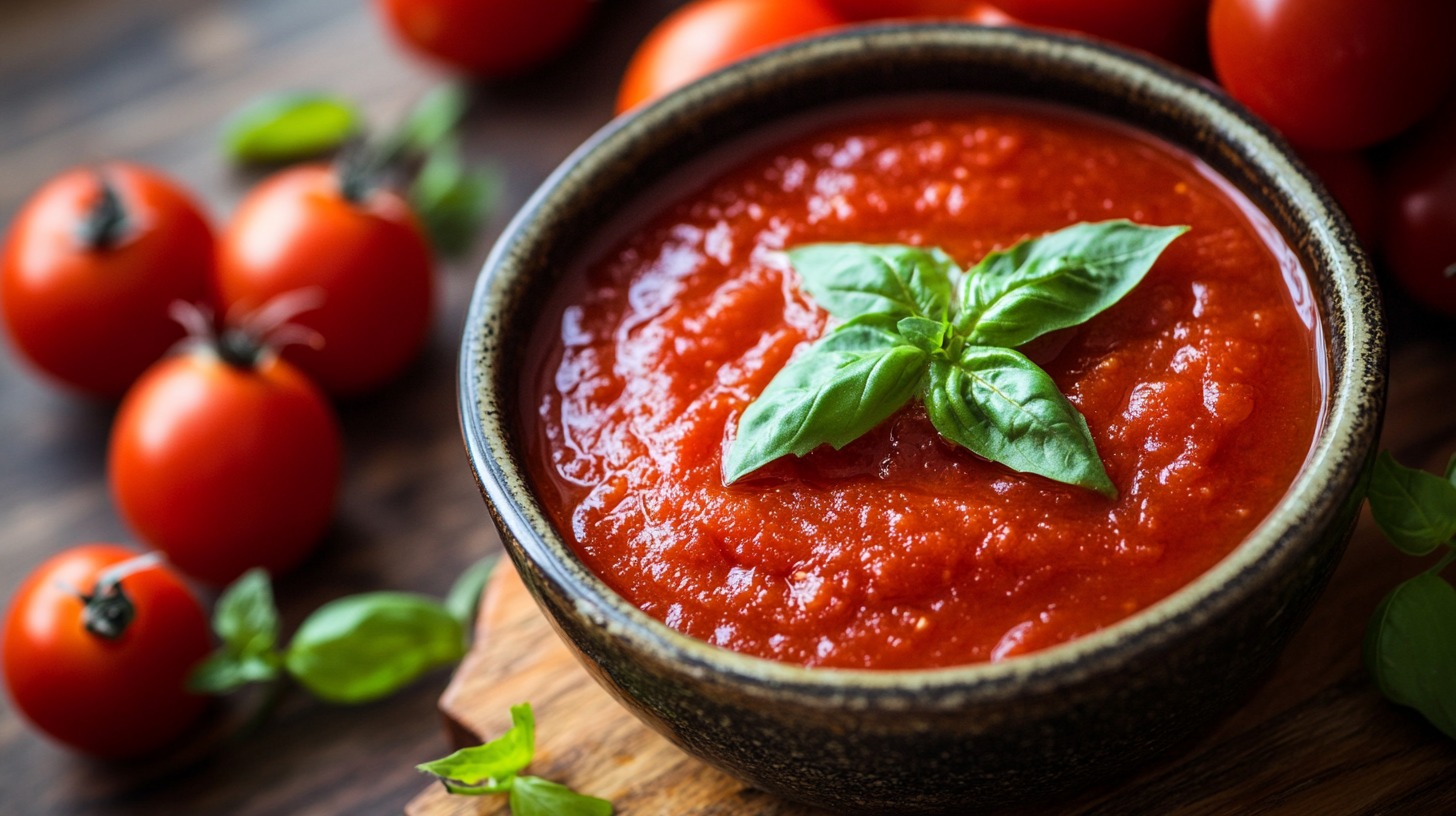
(225, 452)
(1355, 85)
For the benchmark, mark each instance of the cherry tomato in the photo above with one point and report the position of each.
(896, 9)
(225, 458)
(988, 15)
(706, 35)
(90, 267)
(1420, 214)
(367, 258)
(488, 38)
(1171, 29)
(1335, 74)
(1352, 182)
(105, 674)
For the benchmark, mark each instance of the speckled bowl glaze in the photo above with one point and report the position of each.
(942, 740)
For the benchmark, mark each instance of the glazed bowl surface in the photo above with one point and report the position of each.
(982, 735)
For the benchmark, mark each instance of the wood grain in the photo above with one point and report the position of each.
(1315, 738)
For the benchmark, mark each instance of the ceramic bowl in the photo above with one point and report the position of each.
(982, 735)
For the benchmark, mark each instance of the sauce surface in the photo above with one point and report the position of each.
(1201, 390)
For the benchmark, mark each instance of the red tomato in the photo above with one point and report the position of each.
(226, 464)
(1335, 74)
(1420, 214)
(85, 296)
(891, 9)
(989, 15)
(113, 693)
(706, 35)
(369, 260)
(1171, 29)
(488, 38)
(1351, 181)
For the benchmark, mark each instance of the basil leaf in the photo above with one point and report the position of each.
(1410, 649)
(452, 200)
(853, 280)
(1416, 510)
(246, 620)
(849, 381)
(290, 126)
(489, 768)
(431, 121)
(463, 600)
(1057, 280)
(362, 647)
(534, 796)
(1451, 469)
(245, 616)
(923, 333)
(1000, 405)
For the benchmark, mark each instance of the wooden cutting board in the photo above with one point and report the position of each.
(1316, 738)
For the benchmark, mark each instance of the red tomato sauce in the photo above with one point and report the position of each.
(1201, 389)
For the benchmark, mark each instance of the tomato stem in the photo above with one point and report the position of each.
(108, 611)
(107, 222)
(358, 169)
(239, 349)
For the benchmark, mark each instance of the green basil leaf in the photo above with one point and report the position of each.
(1410, 649)
(463, 600)
(1451, 469)
(854, 280)
(849, 381)
(245, 616)
(1000, 405)
(431, 121)
(362, 647)
(1416, 510)
(489, 768)
(222, 673)
(923, 333)
(534, 796)
(290, 126)
(453, 200)
(1057, 280)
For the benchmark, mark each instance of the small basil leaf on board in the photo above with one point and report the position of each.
(846, 383)
(246, 620)
(489, 768)
(463, 600)
(1002, 406)
(852, 280)
(290, 126)
(1416, 510)
(534, 796)
(452, 199)
(431, 121)
(1410, 649)
(363, 647)
(1058, 280)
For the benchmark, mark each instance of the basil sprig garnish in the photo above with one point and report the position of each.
(1410, 643)
(913, 325)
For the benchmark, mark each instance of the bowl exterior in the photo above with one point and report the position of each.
(936, 741)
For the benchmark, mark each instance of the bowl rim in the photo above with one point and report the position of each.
(1332, 470)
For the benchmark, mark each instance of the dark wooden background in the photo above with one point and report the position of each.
(151, 81)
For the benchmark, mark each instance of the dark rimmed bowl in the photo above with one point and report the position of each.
(945, 739)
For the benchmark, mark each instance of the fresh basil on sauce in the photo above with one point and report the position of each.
(913, 325)
(1410, 644)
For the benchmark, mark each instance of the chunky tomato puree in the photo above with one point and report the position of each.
(1201, 390)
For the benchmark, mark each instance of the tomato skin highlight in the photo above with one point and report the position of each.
(705, 35)
(1334, 74)
(95, 318)
(225, 468)
(486, 38)
(369, 260)
(109, 698)
(1419, 206)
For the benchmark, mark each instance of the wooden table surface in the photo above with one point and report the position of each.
(151, 81)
